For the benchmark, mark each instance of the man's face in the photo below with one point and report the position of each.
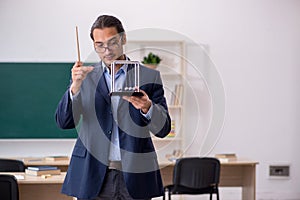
(108, 44)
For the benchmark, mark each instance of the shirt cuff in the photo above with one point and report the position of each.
(148, 115)
(73, 96)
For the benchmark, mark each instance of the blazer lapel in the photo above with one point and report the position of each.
(103, 89)
(100, 82)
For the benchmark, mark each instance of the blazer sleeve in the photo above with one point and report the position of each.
(67, 115)
(160, 122)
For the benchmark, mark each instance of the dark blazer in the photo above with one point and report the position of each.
(90, 112)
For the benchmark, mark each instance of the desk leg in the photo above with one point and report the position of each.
(167, 175)
(249, 180)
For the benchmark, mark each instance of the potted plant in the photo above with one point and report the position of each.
(151, 60)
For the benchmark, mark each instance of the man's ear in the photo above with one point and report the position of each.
(124, 39)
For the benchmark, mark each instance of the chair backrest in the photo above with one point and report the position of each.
(9, 187)
(10, 165)
(196, 172)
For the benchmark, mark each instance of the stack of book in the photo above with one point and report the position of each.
(177, 153)
(226, 157)
(42, 170)
(172, 131)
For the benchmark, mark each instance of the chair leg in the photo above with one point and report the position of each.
(165, 190)
(210, 196)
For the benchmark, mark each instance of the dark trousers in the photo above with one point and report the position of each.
(114, 187)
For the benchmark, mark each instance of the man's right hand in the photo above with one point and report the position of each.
(79, 73)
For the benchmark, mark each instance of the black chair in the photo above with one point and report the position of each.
(195, 175)
(10, 165)
(8, 187)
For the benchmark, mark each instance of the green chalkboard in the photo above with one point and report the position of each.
(29, 94)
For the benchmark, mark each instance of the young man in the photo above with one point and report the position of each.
(114, 157)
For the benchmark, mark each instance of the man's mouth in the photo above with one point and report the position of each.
(109, 57)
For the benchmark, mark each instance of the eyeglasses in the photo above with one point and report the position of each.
(111, 44)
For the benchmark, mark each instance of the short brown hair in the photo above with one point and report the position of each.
(107, 21)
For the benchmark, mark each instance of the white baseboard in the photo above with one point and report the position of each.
(278, 195)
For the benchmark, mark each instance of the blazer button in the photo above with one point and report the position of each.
(109, 132)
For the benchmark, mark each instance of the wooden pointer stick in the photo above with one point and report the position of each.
(77, 44)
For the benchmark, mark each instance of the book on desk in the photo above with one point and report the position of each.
(226, 157)
(42, 170)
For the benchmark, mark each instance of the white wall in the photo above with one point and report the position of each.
(254, 44)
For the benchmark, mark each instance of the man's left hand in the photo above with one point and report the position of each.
(140, 102)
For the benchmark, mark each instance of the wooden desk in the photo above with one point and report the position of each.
(233, 174)
(38, 188)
